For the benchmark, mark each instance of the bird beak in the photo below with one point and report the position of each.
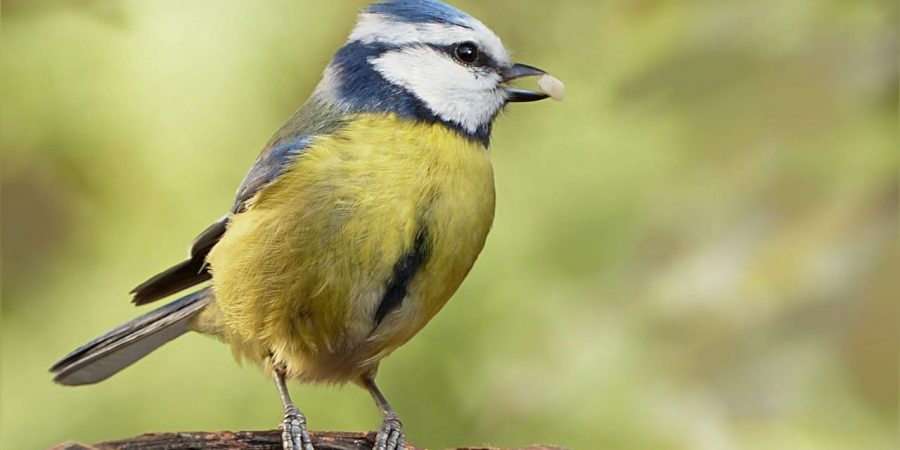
(515, 72)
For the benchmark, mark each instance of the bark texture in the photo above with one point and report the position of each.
(246, 440)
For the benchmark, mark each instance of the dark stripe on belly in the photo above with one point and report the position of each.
(404, 272)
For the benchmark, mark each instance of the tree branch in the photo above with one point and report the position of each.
(244, 440)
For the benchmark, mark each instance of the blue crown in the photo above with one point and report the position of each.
(418, 11)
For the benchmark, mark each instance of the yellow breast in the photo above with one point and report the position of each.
(301, 273)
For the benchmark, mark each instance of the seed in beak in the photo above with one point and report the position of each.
(551, 86)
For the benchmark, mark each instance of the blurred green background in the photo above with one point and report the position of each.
(697, 250)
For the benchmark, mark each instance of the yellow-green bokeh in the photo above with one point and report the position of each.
(697, 250)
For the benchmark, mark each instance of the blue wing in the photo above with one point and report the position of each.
(316, 118)
(292, 140)
(271, 163)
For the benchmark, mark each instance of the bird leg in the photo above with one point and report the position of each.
(390, 435)
(294, 434)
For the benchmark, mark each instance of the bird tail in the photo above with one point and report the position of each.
(106, 355)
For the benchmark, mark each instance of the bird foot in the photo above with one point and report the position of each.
(294, 434)
(390, 435)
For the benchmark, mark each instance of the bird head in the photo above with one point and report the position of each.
(427, 61)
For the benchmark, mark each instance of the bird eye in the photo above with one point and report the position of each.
(467, 52)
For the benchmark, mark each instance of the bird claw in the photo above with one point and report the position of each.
(390, 436)
(294, 434)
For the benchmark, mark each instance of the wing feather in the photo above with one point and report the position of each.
(313, 119)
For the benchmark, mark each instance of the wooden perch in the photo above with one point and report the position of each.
(245, 440)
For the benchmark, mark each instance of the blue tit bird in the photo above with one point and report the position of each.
(357, 222)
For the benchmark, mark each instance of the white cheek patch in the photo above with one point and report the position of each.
(453, 92)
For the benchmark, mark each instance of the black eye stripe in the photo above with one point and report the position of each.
(484, 60)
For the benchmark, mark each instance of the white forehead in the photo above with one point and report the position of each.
(374, 27)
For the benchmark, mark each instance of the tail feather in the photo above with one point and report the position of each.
(188, 273)
(106, 355)
(176, 279)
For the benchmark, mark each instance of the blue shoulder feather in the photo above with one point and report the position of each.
(315, 118)
(270, 164)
